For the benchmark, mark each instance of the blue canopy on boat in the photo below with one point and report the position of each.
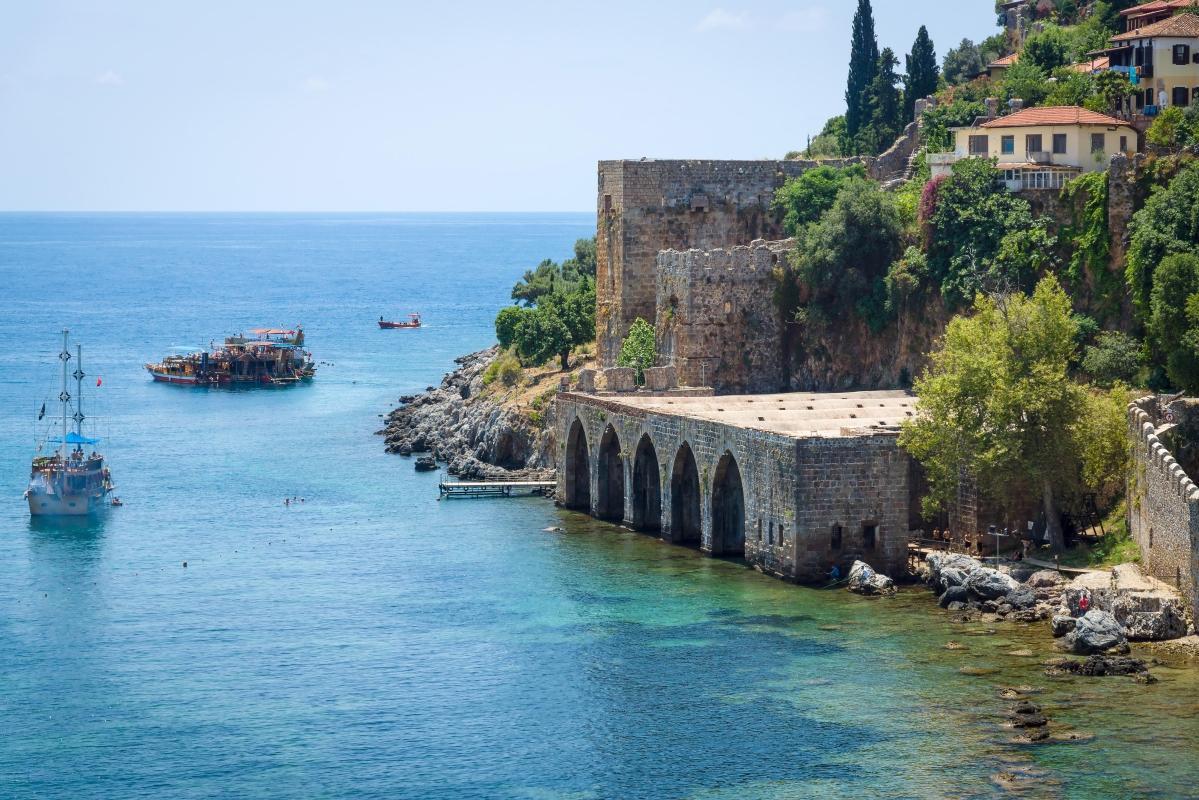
(74, 438)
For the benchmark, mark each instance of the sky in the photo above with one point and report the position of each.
(370, 105)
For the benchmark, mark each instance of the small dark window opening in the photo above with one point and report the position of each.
(1182, 96)
(1182, 54)
(1123, 144)
(1007, 145)
(1098, 142)
(1151, 537)
(979, 145)
(869, 535)
(699, 203)
(607, 203)
(770, 534)
(835, 538)
(1032, 144)
(1059, 143)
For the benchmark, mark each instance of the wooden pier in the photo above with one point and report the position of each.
(477, 489)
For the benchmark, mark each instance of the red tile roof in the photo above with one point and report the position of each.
(1094, 65)
(1181, 25)
(1156, 5)
(1052, 115)
(1006, 61)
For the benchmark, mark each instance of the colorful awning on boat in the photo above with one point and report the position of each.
(74, 438)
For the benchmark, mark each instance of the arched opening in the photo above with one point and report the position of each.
(728, 509)
(647, 488)
(610, 484)
(578, 469)
(684, 498)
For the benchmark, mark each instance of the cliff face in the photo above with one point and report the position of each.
(477, 431)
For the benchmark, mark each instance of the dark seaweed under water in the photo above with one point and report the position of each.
(373, 642)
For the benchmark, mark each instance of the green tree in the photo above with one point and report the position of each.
(1046, 49)
(970, 223)
(1070, 88)
(997, 405)
(863, 67)
(805, 198)
(830, 143)
(1169, 223)
(1114, 358)
(1025, 81)
(844, 258)
(506, 324)
(583, 262)
(549, 277)
(922, 73)
(1172, 331)
(963, 63)
(638, 350)
(941, 119)
(884, 106)
(1111, 90)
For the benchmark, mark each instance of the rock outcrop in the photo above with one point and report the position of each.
(965, 585)
(1145, 609)
(476, 436)
(1096, 632)
(864, 580)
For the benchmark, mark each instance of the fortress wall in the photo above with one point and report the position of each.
(717, 321)
(1163, 506)
(645, 207)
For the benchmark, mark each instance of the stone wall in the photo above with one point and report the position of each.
(648, 206)
(717, 320)
(797, 491)
(1163, 503)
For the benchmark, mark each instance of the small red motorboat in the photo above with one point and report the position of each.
(413, 322)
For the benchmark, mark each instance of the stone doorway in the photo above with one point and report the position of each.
(610, 483)
(685, 499)
(578, 469)
(647, 488)
(728, 509)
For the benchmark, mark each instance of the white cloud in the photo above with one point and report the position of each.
(109, 78)
(806, 20)
(316, 85)
(720, 20)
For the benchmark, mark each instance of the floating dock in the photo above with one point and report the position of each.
(477, 489)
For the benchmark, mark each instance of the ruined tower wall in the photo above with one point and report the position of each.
(717, 321)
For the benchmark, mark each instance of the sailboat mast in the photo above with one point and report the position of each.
(64, 396)
(79, 376)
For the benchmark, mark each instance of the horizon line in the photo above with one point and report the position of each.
(262, 211)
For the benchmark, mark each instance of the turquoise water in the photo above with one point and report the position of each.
(372, 642)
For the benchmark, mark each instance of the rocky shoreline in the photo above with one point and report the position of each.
(475, 436)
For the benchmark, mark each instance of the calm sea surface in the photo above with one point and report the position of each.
(372, 642)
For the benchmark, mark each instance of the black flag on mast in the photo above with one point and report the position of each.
(42, 413)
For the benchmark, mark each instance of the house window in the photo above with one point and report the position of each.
(1059, 144)
(835, 538)
(1007, 145)
(1182, 54)
(1123, 144)
(1181, 97)
(979, 145)
(1098, 142)
(1148, 97)
(869, 535)
(1032, 144)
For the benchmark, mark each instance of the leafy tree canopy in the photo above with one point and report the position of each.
(962, 63)
(805, 198)
(1173, 322)
(638, 350)
(1169, 223)
(549, 277)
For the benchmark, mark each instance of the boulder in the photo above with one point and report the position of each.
(990, 584)
(952, 576)
(1063, 624)
(1150, 618)
(1045, 579)
(864, 580)
(937, 562)
(954, 594)
(1021, 598)
(1096, 632)
(1100, 666)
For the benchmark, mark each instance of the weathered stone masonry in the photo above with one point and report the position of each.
(649, 206)
(717, 321)
(792, 504)
(1163, 504)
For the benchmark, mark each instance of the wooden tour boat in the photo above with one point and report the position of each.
(413, 322)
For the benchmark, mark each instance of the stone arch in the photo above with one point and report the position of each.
(685, 519)
(578, 469)
(647, 487)
(610, 478)
(728, 509)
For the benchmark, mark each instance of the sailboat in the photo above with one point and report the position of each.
(69, 482)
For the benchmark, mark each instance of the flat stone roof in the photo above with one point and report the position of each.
(796, 414)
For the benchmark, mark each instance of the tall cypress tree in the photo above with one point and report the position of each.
(885, 110)
(922, 69)
(863, 67)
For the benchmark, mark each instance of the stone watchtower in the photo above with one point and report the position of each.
(648, 206)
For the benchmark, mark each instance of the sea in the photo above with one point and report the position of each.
(209, 640)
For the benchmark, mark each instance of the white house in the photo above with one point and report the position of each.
(1162, 59)
(1041, 148)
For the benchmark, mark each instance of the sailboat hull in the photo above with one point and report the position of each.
(43, 504)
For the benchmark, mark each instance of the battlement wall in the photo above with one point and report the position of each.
(716, 320)
(1163, 505)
